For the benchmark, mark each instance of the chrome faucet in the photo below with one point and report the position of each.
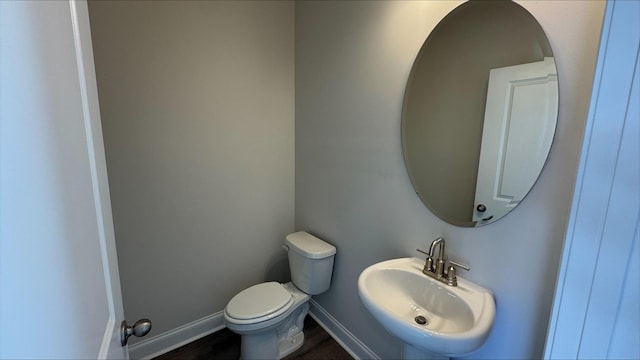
(437, 272)
(441, 259)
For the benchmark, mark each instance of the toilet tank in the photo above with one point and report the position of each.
(310, 262)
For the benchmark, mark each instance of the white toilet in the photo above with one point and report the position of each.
(270, 316)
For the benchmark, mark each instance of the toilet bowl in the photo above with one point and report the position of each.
(270, 316)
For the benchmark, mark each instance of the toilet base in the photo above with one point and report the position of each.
(287, 346)
(277, 343)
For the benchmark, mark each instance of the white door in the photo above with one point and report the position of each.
(519, 122)
(60, 291)
(596, 312)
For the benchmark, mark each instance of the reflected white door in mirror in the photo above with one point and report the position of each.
(519, 122)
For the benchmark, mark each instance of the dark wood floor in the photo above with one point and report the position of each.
(224, 344)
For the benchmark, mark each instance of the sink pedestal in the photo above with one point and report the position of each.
(413, 353)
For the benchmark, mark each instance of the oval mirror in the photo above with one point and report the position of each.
(479, 112)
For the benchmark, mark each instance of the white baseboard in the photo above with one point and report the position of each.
(339, 333)
(173, 339)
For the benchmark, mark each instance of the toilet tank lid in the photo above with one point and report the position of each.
(309, 245)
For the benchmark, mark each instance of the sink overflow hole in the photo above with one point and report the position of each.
(421, 320)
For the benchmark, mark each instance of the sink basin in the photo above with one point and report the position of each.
(401, 297)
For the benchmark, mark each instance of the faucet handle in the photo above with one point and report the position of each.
(457, 264)
(452, 279)
(428, 265)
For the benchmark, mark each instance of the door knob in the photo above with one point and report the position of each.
(140, 328)
(481, 208)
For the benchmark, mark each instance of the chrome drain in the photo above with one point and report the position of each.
(421, 320)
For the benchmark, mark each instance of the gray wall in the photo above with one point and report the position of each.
(197, 104)
(352, 63)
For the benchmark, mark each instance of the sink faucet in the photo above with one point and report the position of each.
(437, 272)
(440, 260)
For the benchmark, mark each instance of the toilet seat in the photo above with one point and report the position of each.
(259, 303)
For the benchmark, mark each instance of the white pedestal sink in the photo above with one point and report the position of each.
(432, 319)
